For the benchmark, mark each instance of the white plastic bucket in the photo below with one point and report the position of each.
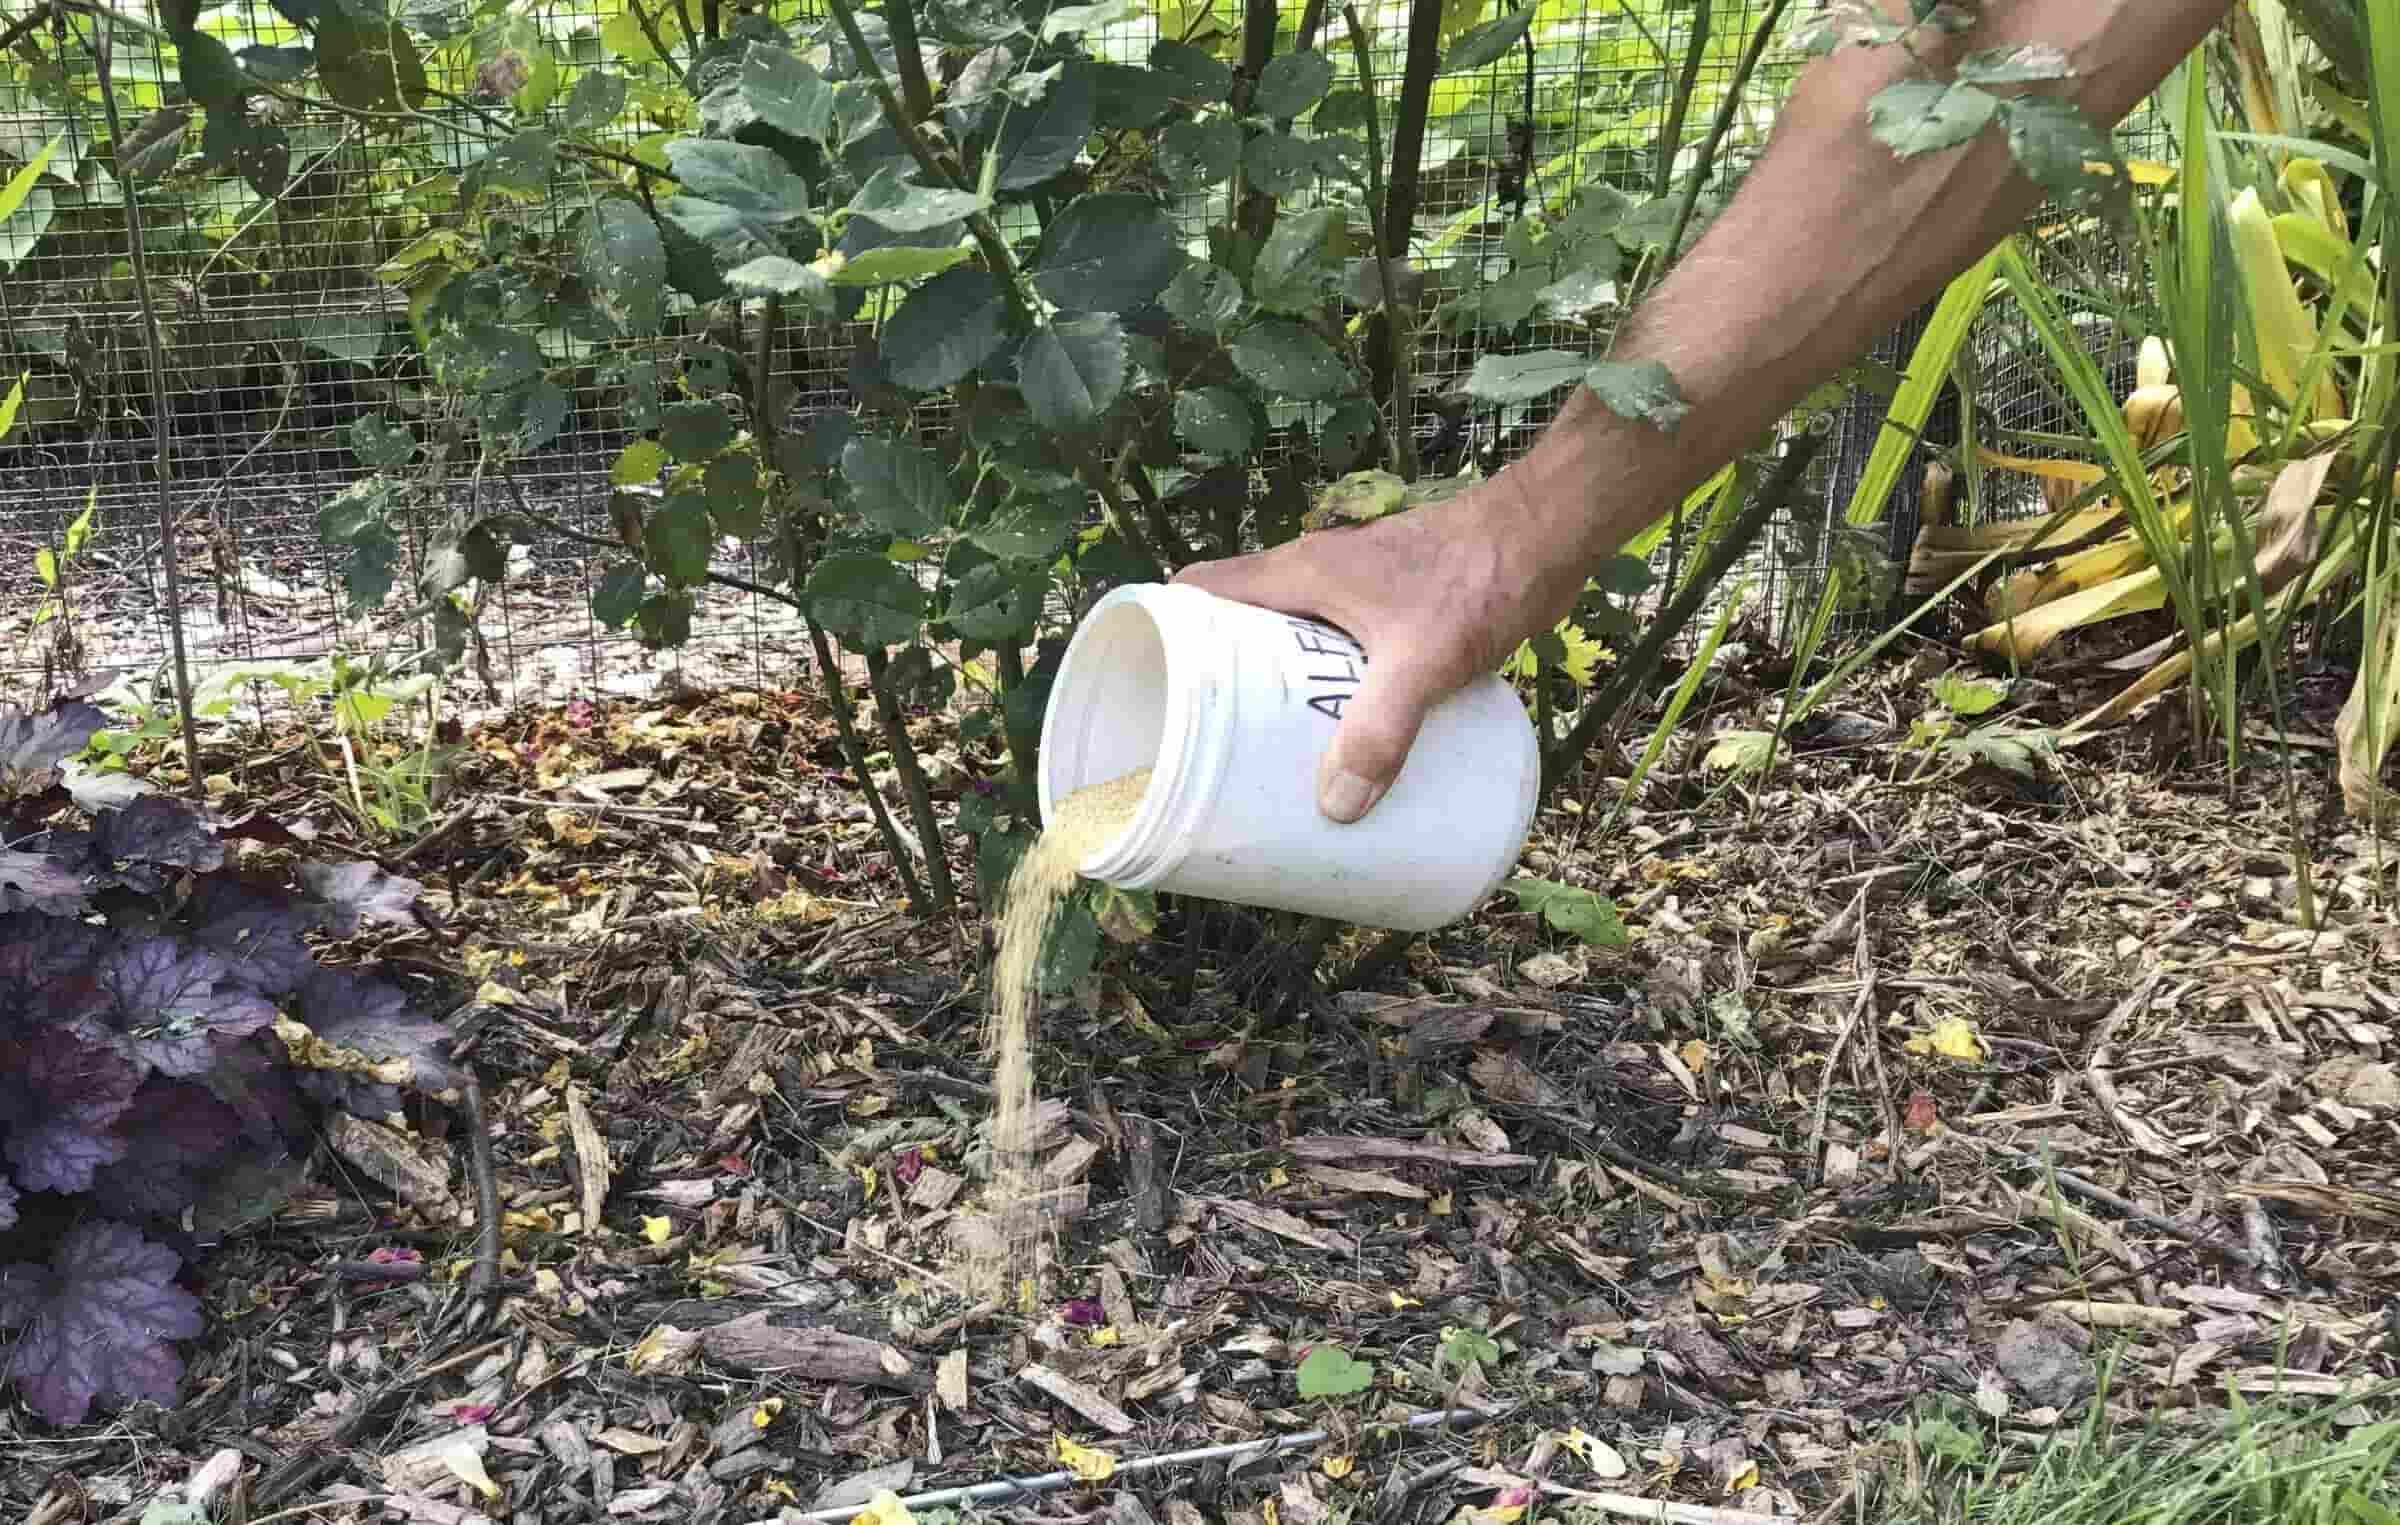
(1231, 706)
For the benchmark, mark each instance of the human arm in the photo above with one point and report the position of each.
(1829, 243)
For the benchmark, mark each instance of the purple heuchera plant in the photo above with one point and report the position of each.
(139, 979)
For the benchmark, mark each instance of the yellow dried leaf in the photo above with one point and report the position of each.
(1089, 1465)
(1278, 1177)
(1694, 1054)
(1338, 1467)
(1952, 1038)
(1399, 1302)
(1745, 1476)
(658, 1230)
(1106, 1334)
(1604, 1459)
(866, 1176)
(763, 1413)
(464, 1461)
(884, 1508)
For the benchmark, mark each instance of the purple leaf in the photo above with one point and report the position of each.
(159, 829)
(59, 1097)
(253, 1078)
(96, 1322)
(375, 1018)
(33, 744)
(166, 999)
(257, 932)
(45, 969)
(8, 1203)
(175, 1135)
(361, 892)
(39, 882)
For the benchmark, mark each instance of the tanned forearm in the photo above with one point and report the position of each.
(1830, 242)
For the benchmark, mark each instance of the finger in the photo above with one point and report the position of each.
(1267, 579)
(1378, 727)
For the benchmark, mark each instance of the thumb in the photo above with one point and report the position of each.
(1378, 726)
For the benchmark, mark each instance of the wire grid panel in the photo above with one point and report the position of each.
(278, 332)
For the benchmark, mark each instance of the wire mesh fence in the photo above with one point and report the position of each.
(284, 319)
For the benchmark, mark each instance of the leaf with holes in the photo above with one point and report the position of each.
(1288, 359)
(945, 329)
(1920, 116)
(1071, 370)
(623, 263)
(2055, 143)
(368, 65)
(1522, 378)
(1196, 154)
(897, 484)
(997, 602)
(1300, 260)
(1038, 141)
(1643, 390)
(1107, 252)
(742, 176)
(1216, 420)
(1291, 83)
(695, 430)
(892, 202)
(865, 600)
(677, 539)
(787, 92)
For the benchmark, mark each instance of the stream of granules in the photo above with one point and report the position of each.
(1006, 1258)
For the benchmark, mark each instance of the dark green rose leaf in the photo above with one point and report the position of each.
(1287, 359)
(897, 484)
(484, 357)
(780, 275)
(1216, 420)
(358, 520)
(1291, 83)
(368, 64)
(677, 539)
(1198, 77)
(1030, 526)
(971, 23)
(1918, 116)
(897, 262)
(787, 92)
(694, 430)
(1194, 154)
(2053, 141)
(1279, 164)
(737, 500)
(381, 445)
(595, 101)
(1107, 252)
(1038, 141)
(259, 152)
(997, 602)
(1522, 378)
(1643, 390)
(945, 328)
(739, 175)
(618, 596)
(522, 163)
(894, 203)
(864, 599)
(210, 75)
(1301, 258)
(1128, 98)
(1205, 297)
(1486, 43)
(1071, 370)
(275, 66)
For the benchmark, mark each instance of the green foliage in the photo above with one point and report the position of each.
(1329, 1371)
(1586, 915)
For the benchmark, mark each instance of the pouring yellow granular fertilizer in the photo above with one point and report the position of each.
(1005, 1257)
